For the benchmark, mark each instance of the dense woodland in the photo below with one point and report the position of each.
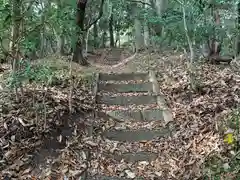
(37, 29)
(50, 51)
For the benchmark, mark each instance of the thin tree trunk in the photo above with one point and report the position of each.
(238, 27)
(161, 6)
(117, 42)
(191, 68)
(95, 35)
(104, 35)
(77, 53)
(146, 28)
(60, 33)
(214, 44)
(86, 41)
(110, 26)
(60, 44)
(139, 41)
(15, 34)
(43, 30)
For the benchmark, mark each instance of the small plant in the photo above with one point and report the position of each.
(226, 166)
(31, 74)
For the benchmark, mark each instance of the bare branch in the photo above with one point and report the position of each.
(144, 3)
(28, 7)
(99, 16)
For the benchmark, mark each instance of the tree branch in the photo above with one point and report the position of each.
(4, 51)
(144, 3)
(28, 7)
(99, 16)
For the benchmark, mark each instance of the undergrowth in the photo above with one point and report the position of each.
(226, 165)
(44, 74)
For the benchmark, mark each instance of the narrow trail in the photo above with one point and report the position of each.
(126, 99)
(112, 60)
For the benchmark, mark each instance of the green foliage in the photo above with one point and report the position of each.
(39, 74)
(215, 167)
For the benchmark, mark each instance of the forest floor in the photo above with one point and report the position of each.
(36, 141)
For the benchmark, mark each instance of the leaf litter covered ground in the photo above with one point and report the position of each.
(38, 138)
(197, 117)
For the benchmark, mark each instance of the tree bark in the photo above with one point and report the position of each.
(15, 34)
(118, 42)
(77, 53)
(43, 50)
(111, 30)
(60, 44)
(60, 32)
(139, 41)
(213, 43)
(146, 28)
(238, 27)
(95, 35)
(104, 35)
(161, 6)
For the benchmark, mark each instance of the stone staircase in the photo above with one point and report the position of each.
(117, 87)
(113, 56)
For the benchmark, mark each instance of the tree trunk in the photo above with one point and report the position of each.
(161, 6)
(43, 49)
(238, 27)
(191, 68)
(117, 42)
(86, 42)
(104, 35)
(77, 53)
(60, 44)
(214, 44)
(60, 32)
(139, 41)
(110, 26)
(146, 28)
(16, 14)
(95, 35)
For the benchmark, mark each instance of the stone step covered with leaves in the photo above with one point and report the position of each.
(139, 115)
(115, 54)
(98, 177)
(128, 90)
(126, 100)
(135, 135)
(124, 77)
(125, 88)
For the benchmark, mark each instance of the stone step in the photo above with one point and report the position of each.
(116, 50)
(135, 135)
(123, 76)
(113, 59)
(145, 115)
(133, 157)
(119, 88)
(99, 177)
(126, 100)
